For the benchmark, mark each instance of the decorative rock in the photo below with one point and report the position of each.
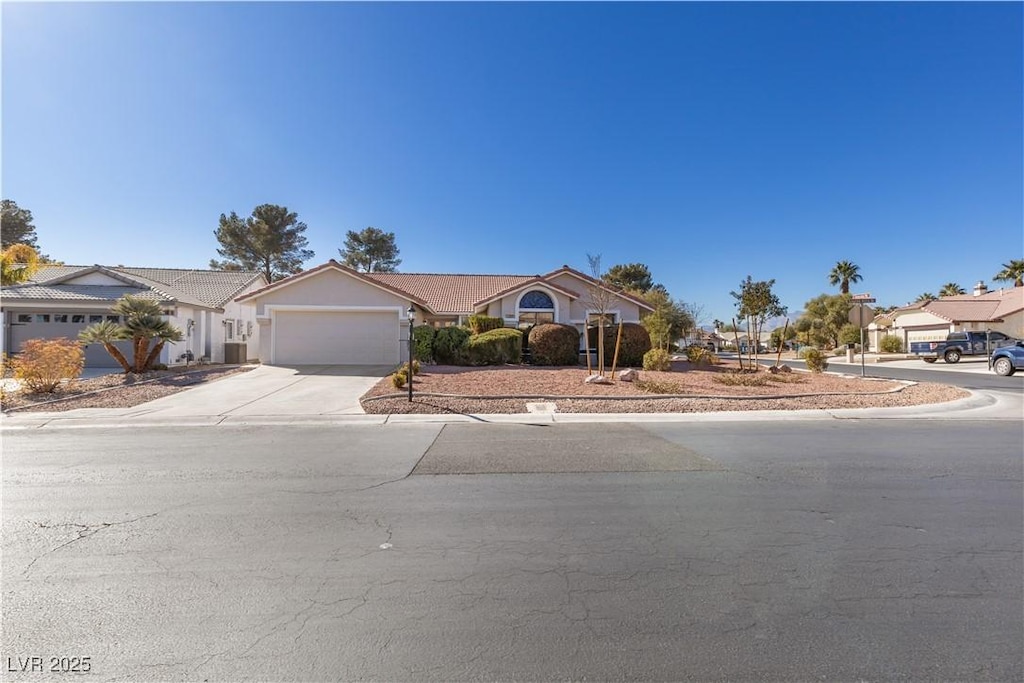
(597, 379)
(776, 369)
(629, 375)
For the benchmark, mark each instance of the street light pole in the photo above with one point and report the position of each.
(412, 319)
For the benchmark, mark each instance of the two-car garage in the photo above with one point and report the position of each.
(325, 337)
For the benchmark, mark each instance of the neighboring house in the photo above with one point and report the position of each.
(60, 301)
(1001, 310)
(332, 314)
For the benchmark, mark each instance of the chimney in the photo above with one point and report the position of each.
(980, 288)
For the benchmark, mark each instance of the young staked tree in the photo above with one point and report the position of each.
(757, 303)
(673, 312)
(599, 299)
(271, 241)
(632, 277)
(16, 226)
(843, 273)
(371, 251)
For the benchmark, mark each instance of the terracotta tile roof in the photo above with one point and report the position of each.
(994, 305)
(448, 293)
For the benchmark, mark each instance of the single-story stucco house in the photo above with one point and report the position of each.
(1000, 310)
(332, 314)
(60, 301)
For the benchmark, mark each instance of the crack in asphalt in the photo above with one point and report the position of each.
(84, 531)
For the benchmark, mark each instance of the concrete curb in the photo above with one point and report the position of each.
(976, 402)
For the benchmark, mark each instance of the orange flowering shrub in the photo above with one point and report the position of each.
(43, 363)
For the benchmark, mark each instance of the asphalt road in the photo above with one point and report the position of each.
(841, 550)
(962, 374)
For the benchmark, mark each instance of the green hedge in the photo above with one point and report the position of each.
(450, 345)
(423, 343)
(478, 324)
(554, 344)
(635, 343)
(496, 347)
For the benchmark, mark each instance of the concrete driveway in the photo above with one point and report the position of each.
(274, 391)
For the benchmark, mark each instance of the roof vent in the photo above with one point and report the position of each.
(980, 288)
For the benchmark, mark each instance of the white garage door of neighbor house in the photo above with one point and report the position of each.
(336, 338)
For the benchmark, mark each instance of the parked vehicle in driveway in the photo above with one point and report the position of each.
(1008, 359)
(960, 344)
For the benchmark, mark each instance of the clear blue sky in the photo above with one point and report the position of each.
(709, 141)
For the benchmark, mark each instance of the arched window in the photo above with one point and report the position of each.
(536, 307)
(537, 299)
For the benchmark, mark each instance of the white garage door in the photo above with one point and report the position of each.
(334, 338)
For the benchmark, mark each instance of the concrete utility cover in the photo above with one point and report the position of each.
(541, 408)
(507, 449)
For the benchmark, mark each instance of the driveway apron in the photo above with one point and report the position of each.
(274, 391)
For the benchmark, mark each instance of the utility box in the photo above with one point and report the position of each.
(234, 353)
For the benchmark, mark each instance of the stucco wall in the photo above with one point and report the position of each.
(328, 288)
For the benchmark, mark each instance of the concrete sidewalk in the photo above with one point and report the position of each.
(981, 405)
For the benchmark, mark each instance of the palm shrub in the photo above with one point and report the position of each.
(106, 333)
(143, 323)
(478, 324)
(450, 345)
(554, 344)
(43, 363)
(657, 360)
(815, 359)
(635, 343)
(496, 347)
(423, 343)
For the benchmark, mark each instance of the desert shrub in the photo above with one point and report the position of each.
(635, 343)
(743, 379)
(786, 378)
(423, 343)
(849, 334)
(653, 387)
(399, 379)
(450, 345)
(404, 368)
(554, 344)
(43, 363)
(496, 347)
(478, 324)
(657, 359)
(890, 343)
(698, 355)
(158, 366)
(815, 359)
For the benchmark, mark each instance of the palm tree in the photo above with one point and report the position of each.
(927, 296)
(143, 321)
(1012, 271)
(843, 274)
(951, 289)
(106, 333)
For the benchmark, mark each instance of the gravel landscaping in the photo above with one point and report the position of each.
(117, 390)
(448, 389)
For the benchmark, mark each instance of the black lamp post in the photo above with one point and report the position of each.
(412, 319)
